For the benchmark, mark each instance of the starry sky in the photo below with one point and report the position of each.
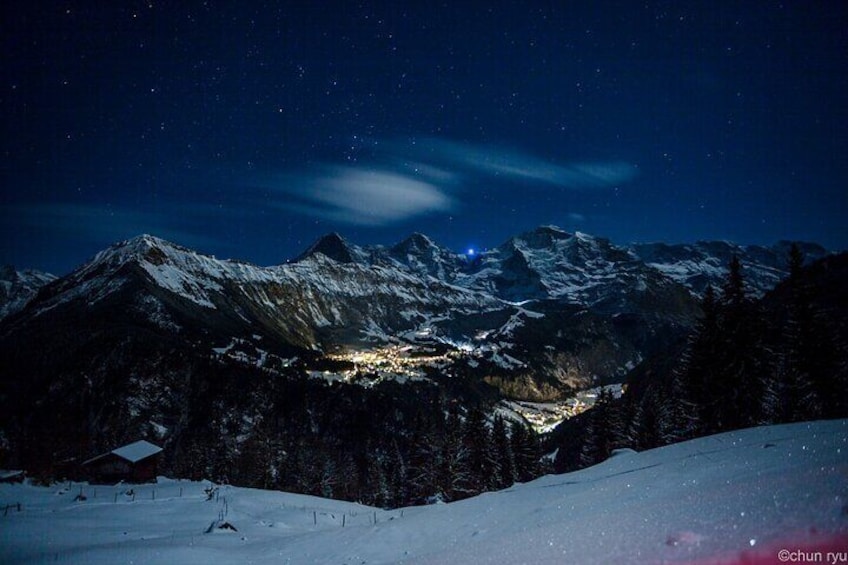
(249, 129)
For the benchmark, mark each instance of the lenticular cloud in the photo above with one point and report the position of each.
(366, 196)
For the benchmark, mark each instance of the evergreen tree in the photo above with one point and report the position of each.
(734, 285)
(504, 464)
(456, 480)
(604, 432)
(676, 415)
(745, 363)
(397, 473)
(327, 478)
(376, 490)
(643, 428)
(426, 460)
(526, 452)
(262, 459)
(480, 453)
(808, 366)
(698, 388)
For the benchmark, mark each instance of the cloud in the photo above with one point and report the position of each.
(369, 197)
(402, 180)
(509, 163)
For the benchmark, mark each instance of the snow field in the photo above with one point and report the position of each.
(732, 498)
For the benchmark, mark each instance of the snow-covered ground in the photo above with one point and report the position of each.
(740, 497)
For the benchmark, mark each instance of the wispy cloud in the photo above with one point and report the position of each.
(372, 197)
(500, 161)
(402, 180)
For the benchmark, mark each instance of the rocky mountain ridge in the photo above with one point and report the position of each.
(544, 313)
(156, 340)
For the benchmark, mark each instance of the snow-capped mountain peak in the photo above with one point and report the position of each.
(415, 243)
(335, 247)
(424, 257)
(340, 295)
(550, 263)
(541, 237)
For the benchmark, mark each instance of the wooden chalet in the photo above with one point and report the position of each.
(136, 462)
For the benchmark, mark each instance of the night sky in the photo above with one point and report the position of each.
(248, 129)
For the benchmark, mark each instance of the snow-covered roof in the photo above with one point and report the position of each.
(137, 451)
(132, 452)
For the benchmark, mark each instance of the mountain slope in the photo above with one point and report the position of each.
(17, 288)
(733, 498)
(548, 263)
(705, 262)
(297, 303)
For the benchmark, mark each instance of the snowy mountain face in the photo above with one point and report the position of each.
(421, 256)
(310, 303)
(705, 263)
(543, 264)
(550, 264)
(546, 312)
(17, 288)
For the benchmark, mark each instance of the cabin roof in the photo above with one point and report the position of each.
(132, 452)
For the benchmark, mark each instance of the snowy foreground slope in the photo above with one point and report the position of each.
(738, 497)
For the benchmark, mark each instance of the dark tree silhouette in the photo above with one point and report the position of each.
(504, 460)
(526, 452)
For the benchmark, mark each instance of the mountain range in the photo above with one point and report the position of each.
(142, 339)
(547, 309)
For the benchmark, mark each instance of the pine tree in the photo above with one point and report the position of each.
(642, 430)
(504, 472)
(328, 479)
(262, 458)
(398, 477)
(426, 460)
(604, 432)
(526, 452)
(456, 480)
(698, 379)
(734, 285)
(375, 487)
(480, 454)
(745, 361)
(809, 367)
(676, 415)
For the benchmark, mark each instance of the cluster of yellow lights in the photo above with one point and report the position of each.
(408, 361)
(392, 359)
(544, 417)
